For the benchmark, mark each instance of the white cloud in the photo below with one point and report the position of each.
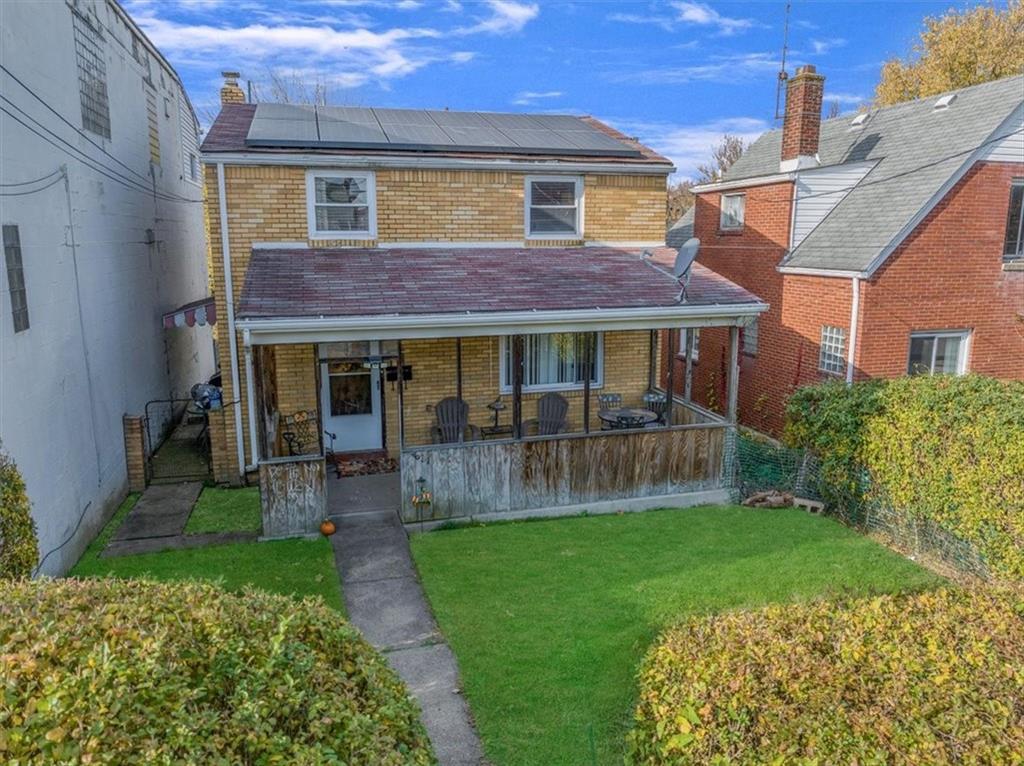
(528, 97)
(686, 14)
(714, 69)
(689, 145)
(824, 46)
(704, 15)
(849, 99)
(507, 17)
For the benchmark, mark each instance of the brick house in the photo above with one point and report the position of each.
(886, 244)
(374, 263)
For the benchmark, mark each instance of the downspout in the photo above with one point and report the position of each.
(854, 312)
(229, 298)
(250, 398)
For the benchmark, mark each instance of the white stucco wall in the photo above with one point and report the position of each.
(95, 348)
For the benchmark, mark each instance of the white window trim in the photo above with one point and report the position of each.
(721, 212)
(371, 201)
(965, 348)
(505, 385)
(842, 351)
(681, 351)
(527, 194)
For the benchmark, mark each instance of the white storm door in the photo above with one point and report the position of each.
(350, 401)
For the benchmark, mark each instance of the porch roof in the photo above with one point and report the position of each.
(483, 287)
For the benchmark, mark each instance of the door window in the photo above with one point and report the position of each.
(350, 387)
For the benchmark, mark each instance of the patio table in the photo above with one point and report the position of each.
(626, 417)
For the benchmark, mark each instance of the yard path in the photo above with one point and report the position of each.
(385, 601)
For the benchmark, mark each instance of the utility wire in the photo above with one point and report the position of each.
(67, 122)
(88, 161)
(54, 182)
(33, 181)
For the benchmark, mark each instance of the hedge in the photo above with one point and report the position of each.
(138, 672)
(19, 547)
(932, 678)
(942, 448)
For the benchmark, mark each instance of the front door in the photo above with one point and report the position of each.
(350, 401)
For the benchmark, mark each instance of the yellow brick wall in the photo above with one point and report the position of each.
(268, 204)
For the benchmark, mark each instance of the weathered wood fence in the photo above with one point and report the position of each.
(293, 495)
(548, 472)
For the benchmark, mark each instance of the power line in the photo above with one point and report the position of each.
(54, 182)
(33, 181)
(88, 161)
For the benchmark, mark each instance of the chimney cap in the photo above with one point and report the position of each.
(807, 69)
(229, 75)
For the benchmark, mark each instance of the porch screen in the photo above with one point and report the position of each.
(554, 361)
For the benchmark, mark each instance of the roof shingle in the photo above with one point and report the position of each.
(366, 282)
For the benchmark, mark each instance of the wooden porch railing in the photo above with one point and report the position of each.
(293, 495)
(548, 472)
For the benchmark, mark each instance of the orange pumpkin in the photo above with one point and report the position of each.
(327, 528)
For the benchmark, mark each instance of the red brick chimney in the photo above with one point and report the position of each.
(802, 124)
(231, 93)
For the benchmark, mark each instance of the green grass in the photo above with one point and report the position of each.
(289, 567)
(226, 510)
(549, 620)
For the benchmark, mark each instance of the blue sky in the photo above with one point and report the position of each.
(676, 74)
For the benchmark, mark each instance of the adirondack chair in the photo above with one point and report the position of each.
(452, 422)
(550, 420)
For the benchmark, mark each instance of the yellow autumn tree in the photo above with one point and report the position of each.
(956, 50)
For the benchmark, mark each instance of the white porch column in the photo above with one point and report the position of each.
(734, 372)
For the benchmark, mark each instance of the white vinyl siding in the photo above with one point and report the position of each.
(189, 141)
(553, 362)
(1010, 148)
(819, 191)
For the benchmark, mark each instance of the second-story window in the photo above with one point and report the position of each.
(1013, 248)
(341, 205)
(554, 207)
(733, 208)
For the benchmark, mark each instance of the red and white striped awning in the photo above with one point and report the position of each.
(201, 312)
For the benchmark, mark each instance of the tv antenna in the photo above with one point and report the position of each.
(782, 72)
(684, 261)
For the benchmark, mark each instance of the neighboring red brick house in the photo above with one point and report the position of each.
(885, 244)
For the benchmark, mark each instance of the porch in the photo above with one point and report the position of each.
(490, 414)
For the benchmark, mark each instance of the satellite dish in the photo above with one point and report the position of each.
(685, 258)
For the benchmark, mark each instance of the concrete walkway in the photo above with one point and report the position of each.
(385, 601)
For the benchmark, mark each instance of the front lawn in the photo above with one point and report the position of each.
(289, 567)
(226, 510)
(550, 619)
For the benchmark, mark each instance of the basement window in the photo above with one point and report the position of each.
(831, 358)
(554, 207)
(733, 210)
(934, 353)
(341, 205)
(1013, 247)
(15, 277)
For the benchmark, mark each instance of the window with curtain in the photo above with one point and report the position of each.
(555, 361)
(938, 352)
(733, 209)
(341, 205)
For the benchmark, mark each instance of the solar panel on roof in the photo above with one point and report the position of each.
(291, 125)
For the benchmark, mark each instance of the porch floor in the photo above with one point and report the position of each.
(353, 495)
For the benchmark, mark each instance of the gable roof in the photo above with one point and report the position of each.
(231, 132)
(681, 230)
(288, 284)
(918, 151)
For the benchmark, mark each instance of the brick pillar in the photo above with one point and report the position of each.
(221, 453)
(135, 452)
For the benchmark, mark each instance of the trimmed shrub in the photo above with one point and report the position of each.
(946, 449)
(932, 678)
(19, 547)
(138, 672)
